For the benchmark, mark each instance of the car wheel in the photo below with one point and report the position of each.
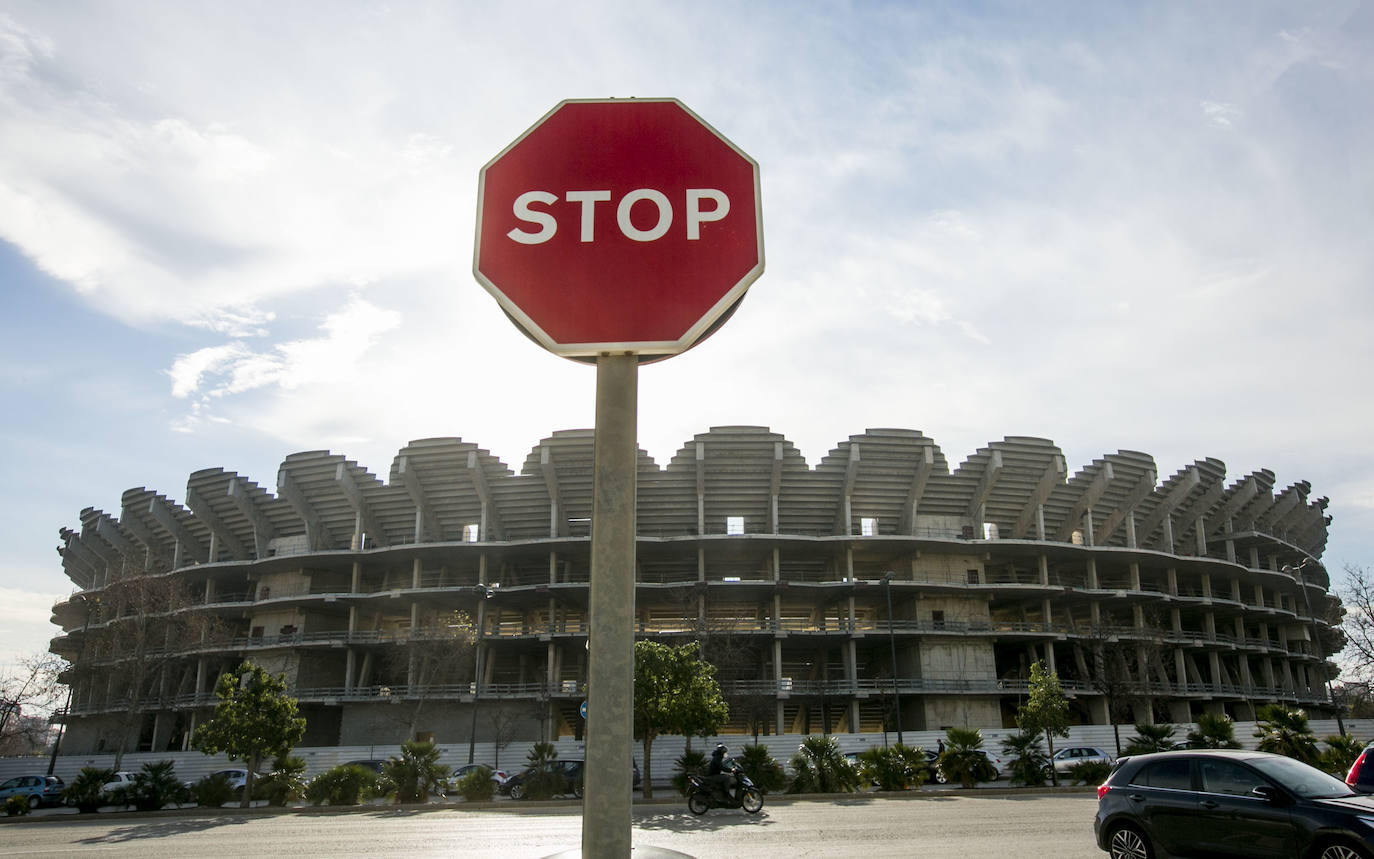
(1338, 850)
(752, 801)
(940, 777)
(698, 803)
(578, 789)
(517, 792)
(35, 801)
(1127, 842)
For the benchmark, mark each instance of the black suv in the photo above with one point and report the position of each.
(1230, 803)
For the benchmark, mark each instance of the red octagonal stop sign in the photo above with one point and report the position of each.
(619, 225)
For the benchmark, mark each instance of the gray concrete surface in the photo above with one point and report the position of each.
(947, 825)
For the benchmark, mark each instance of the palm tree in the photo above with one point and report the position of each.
(1340, 753)
(1029, 761)
(1150, 739)
(1285, 732)
(819, 767)
(1214, 731)
(963, 757)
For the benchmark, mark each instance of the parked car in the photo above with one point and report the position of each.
(39, 789)
(498, 776)
(933, 763)
(236, 779)
(123, 778)
(1066, 759)
(1222, 802)
(572, 774)
(1361, 774)
(372, 764)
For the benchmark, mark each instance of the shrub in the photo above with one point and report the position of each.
(342, 785)
(1214, 731)
(1149, 739)
(86, 790)
(545, 781)
(16, 806)
(476, 786)
(1340, 754)
(153, 787)
(962, 759)
(283, 783)
(897, 767)
(212, 791)
(818, 767)
(763, 769)
(415, 775)
(1030, 762)
(1090, 772)
(691, 762)
(1282, 731)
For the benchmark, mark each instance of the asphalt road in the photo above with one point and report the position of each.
(1031, 826)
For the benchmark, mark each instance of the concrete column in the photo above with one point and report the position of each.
(1206, 585)
(1044, 570)
(1169, 534)
(606, 810)
(1092, 573)
(350, 667)
(1180, 666)
(355, 584)
(1172, 577)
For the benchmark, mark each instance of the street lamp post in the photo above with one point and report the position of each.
(892, 645)
(486, 593)
(1316, 638)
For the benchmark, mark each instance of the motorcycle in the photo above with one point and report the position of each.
(704, 794)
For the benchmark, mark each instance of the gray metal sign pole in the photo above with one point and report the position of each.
(610, 692)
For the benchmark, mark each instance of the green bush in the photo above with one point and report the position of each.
(415, 775)
(342, 785)
(212, 791)
(763, 769)
(85, 791)
(476, 786)
(546, 781)
(1030, 763)
(1149, 739)
(962, 759)
(153, 787)
(283, 783)
(1340, 754)
(1090, 772)
(16, 806)
(819, 767)
(691, 762)
(897, 767)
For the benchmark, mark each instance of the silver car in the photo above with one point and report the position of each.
(1066, 759)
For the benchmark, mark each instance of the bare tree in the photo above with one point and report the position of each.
(440, 651)
(1358, 622)
(142, 628)
(504, 721)
(28, 694)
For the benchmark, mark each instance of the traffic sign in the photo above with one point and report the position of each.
(583, 710)
(619, 225)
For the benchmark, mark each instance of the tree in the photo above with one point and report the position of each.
(1214, 731)
(963, 758)
(140, 629)
(1282, 731)
(1358, 622)
(1340, 754)
(819, 767)
(675, 693)
(1046, 709)
(440, 650)
(1285, 731)
(416, 774)
(1029, 762)
(27, 694)
(1149, 739)
(255, 719)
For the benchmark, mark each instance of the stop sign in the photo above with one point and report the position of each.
(619, 225)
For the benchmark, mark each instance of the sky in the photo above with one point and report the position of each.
(231, 232)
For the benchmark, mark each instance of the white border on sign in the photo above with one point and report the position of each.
(661, 347)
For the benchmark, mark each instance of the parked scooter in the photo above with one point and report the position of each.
(704, 794)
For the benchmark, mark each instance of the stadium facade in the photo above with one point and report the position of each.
(874, 588)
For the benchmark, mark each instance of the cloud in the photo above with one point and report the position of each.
(234, 368)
